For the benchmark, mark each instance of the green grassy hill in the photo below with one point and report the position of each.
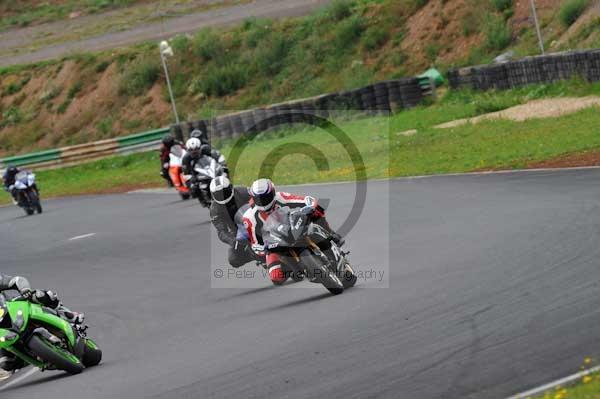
(346, 45)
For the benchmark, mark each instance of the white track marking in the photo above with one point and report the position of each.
(20, 378)
(82, 236)
(562, 381)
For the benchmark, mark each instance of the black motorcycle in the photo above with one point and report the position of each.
(307, 249)
(205, 170)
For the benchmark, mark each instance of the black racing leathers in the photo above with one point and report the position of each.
(17, 283)
(21, 284)
(226, 218)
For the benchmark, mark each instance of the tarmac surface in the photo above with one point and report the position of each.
(490, 287)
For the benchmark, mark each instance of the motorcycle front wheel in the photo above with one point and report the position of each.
(92, 355)
(322, 274)
(35, 201)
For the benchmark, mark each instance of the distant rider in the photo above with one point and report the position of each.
(165, 149)
(226, 211)
(264, 200)
(9, 362)
(195, 150)
(9, 180)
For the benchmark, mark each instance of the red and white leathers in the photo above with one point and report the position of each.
(254, 220)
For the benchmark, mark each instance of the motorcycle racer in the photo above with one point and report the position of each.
(167, 142)
(9, 362)
(196, 150)
(226, 210)
(264, 200)
(9, 180)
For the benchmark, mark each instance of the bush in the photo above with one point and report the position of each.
(16, 87)
(338, 10)
(470, 24)
(374, 38)
(497, 32)
(180, 44)
(11, 117)
(139, 78)
(50, 94)
(502, 5)
(76, 88)
(493, 103)
(62, 108)
(256, 31)
(105, 127)
(207, 45)
(348, 32)
(269, 58)
(571, 11)
(101, 67)
(432, 50)
(224, 80)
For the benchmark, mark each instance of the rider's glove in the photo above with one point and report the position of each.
(307, 210)
(11, 187)
(26, 292)
(47, 298)
(241, 245)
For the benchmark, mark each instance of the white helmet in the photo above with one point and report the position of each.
(193, 144)
(263, 193)
(221, 190)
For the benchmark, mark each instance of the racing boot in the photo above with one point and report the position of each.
(9, 364)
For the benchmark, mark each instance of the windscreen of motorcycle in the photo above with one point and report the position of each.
(206, 166)
(21, 180)
(276, 230)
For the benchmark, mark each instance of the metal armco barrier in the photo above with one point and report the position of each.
(529, 70)
(77, 154)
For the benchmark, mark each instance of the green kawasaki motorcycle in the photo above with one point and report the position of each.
(40, 337)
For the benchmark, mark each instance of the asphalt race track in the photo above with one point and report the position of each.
(493, 289)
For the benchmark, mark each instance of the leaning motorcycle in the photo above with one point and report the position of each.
(175, 171)
(40, 337)
(205, 170)
(307, 249)
(27, 193)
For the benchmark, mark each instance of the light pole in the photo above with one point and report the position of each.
(537, 26)
(167, 51)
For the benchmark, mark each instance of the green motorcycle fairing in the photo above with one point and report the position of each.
(21, 312)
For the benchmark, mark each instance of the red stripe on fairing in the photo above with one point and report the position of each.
(291, 197)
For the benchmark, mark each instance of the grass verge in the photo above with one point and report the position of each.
(498, 144)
